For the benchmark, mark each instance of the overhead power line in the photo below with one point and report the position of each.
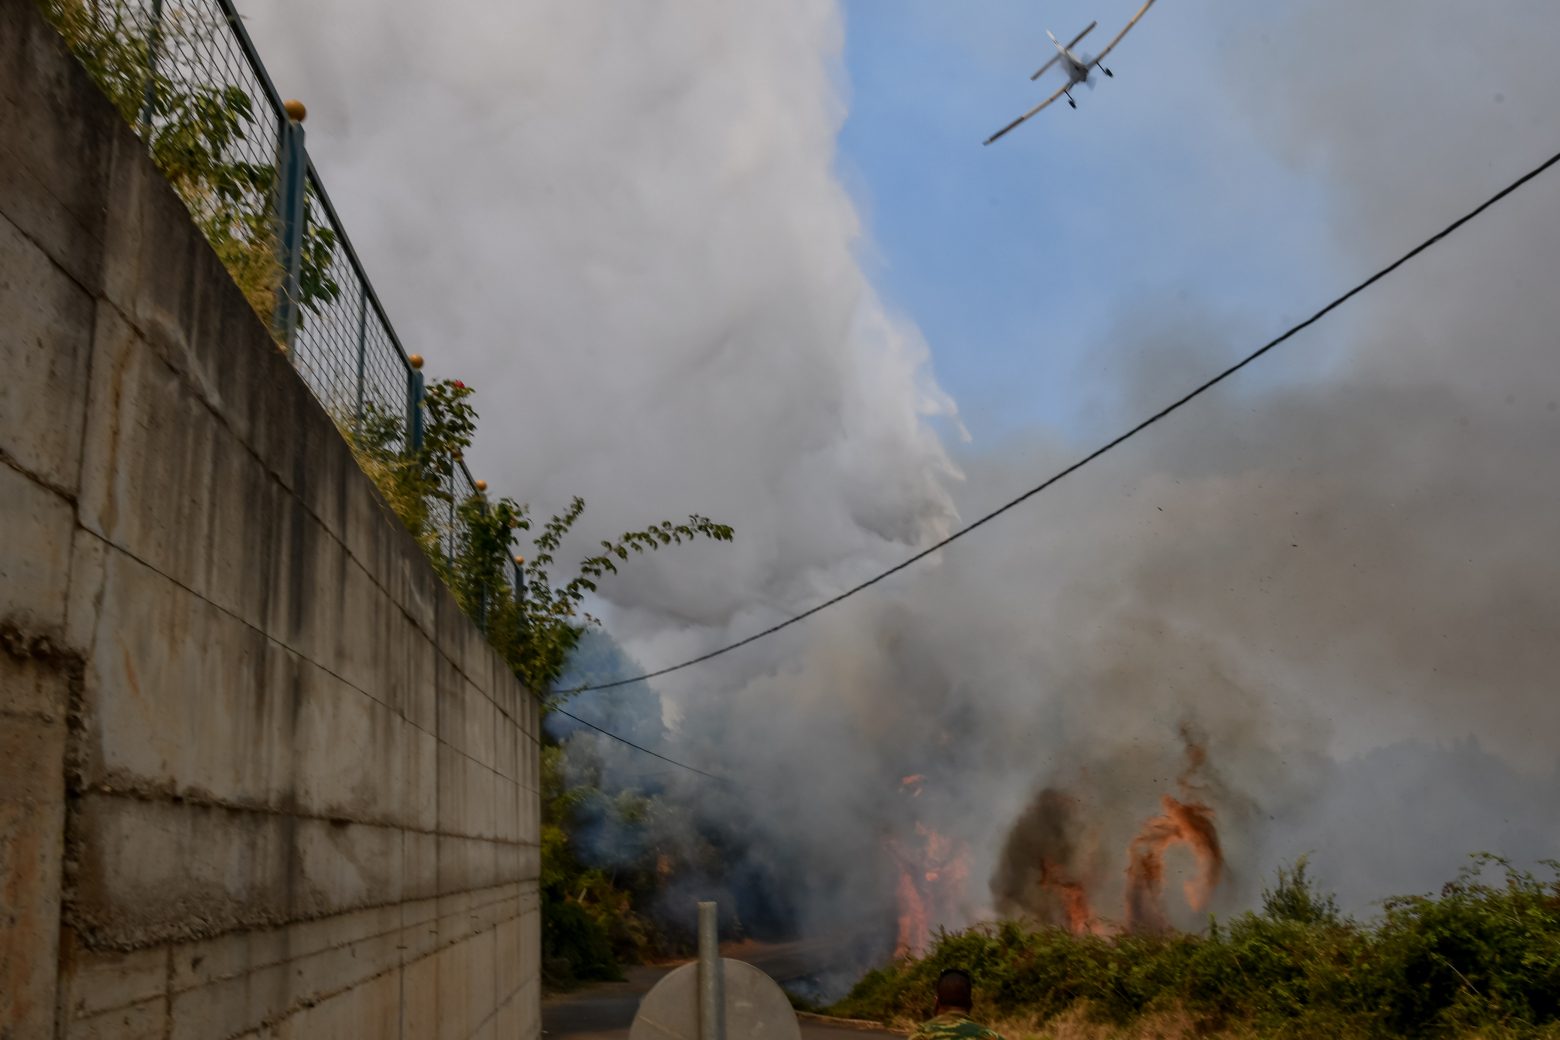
(1096, 453)
(641, 748)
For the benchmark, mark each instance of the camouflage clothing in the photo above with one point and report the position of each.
(954, 1025)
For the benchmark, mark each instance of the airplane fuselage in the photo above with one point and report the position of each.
(1077, 67)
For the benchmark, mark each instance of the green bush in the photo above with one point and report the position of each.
(1478, 959)
(575, 946)
(1477, 954)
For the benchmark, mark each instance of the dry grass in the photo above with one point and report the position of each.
(1180, 1024)
(1077, 1025)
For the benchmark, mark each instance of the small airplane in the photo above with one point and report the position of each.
(1078, 67)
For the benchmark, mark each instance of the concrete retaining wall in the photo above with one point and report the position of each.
(258, 775)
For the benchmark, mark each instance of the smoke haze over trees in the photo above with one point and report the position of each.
(1341, 571)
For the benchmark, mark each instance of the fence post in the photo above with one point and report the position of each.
(449, 553)
(482, 593)
(362, 344)
(149, 95)
(414, 398)
(292, 166)
(519, 580)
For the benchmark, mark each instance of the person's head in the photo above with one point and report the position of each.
(954, 991)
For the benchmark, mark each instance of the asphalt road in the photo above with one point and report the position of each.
(605, 1011)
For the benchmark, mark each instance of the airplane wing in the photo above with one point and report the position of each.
(1041, 70)
(1033, 111)
(1079, 38)
(1112, 44)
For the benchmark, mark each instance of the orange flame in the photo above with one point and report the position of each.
(1182, 821)
(1048, 870)
(1187, 823)
(1074, 899)
(933, 872)
(914, 930)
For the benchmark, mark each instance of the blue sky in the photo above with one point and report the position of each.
(1026, 263)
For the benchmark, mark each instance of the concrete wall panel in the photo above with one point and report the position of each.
(53, 162)
(46, 337)
(32, 822)
(259, 777)
(35, 552)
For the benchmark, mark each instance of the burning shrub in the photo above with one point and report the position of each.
(1051, 873)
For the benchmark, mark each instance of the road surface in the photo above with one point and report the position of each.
(605, 1011)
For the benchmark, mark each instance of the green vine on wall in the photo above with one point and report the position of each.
(535, 626)
(194, 131)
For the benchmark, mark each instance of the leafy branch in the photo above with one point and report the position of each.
(654, 537)
(533, 620)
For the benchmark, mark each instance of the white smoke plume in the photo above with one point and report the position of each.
(623, 225)
(620, 223)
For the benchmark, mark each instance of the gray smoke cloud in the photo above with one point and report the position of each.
(623, 225)
(1339, 570)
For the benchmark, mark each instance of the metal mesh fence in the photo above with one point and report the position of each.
(188, 77)
(203, 97)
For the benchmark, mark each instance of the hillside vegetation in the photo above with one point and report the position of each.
(1480, 959)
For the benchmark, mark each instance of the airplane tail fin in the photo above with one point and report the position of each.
(1054, 58)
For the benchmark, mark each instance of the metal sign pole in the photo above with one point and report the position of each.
(712, 997)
